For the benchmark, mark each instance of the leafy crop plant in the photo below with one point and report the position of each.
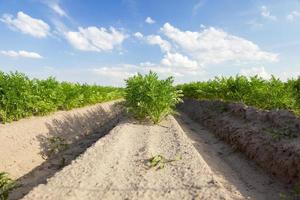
(6, 185)
(253, 91)
(147, 97)
(22, 97)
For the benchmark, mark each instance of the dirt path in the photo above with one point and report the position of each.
(236, 172)
(116, 167)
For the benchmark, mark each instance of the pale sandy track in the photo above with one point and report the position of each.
(116, 168)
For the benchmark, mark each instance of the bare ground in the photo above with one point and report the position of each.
(237, 172)
(116, 167)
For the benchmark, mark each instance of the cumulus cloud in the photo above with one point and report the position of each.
(27, 25)
(189, 53)
(149, 20)
(259, 71)
(25, 54)
(177, 60)
(95, 39)
(118, 73)
(266, 13)
(214, 46)
(138, 35)
(121, 72)
(164, 45)
(147, 64)
(293, 15)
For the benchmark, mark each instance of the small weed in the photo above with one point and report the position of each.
(160, 161)
(297, 189)
(283, 197)
(294, 196)
(6, 185)
(56, 144)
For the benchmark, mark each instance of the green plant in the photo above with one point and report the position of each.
(159, 161)
(297, 189)
(292, 196)
(22, 97)
(6, 185)
(253, 91)
(147, 97)
(56, 144)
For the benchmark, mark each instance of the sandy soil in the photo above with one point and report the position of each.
(116, 167)
(269, 138)
(237, 172)
(98, 165)
(23, 142)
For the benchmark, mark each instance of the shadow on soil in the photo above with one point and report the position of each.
(252, 182)
(79, 131)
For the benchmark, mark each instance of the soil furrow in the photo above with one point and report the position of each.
(116, 167)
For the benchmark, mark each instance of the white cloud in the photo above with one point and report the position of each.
(259, 71)
(149, 20)
(187, 54)
(138, 35)
(54, 5)
(27, 25)
(289, 74)
(293, 15)
(25, 54)
(164, 45)
(147, 64)
(116, 74)
(121, 72)
(265, 12)
(95, 39)
(56, 8)
(214, 46)
(177, 60)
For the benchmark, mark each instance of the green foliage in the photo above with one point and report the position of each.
(22, 97)
(253, 91)
(297, 189)
(292, 196)
(6, 185)
(295, 85)
(159, 161)
(147, 97)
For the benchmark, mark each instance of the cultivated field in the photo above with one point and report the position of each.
(234, 138)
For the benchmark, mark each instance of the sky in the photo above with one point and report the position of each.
(107, 41)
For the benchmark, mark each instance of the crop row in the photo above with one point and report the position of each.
(21, 96)
(254, 91)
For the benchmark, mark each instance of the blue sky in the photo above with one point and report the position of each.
(106, 41)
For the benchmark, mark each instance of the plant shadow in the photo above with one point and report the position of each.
(80, 131)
